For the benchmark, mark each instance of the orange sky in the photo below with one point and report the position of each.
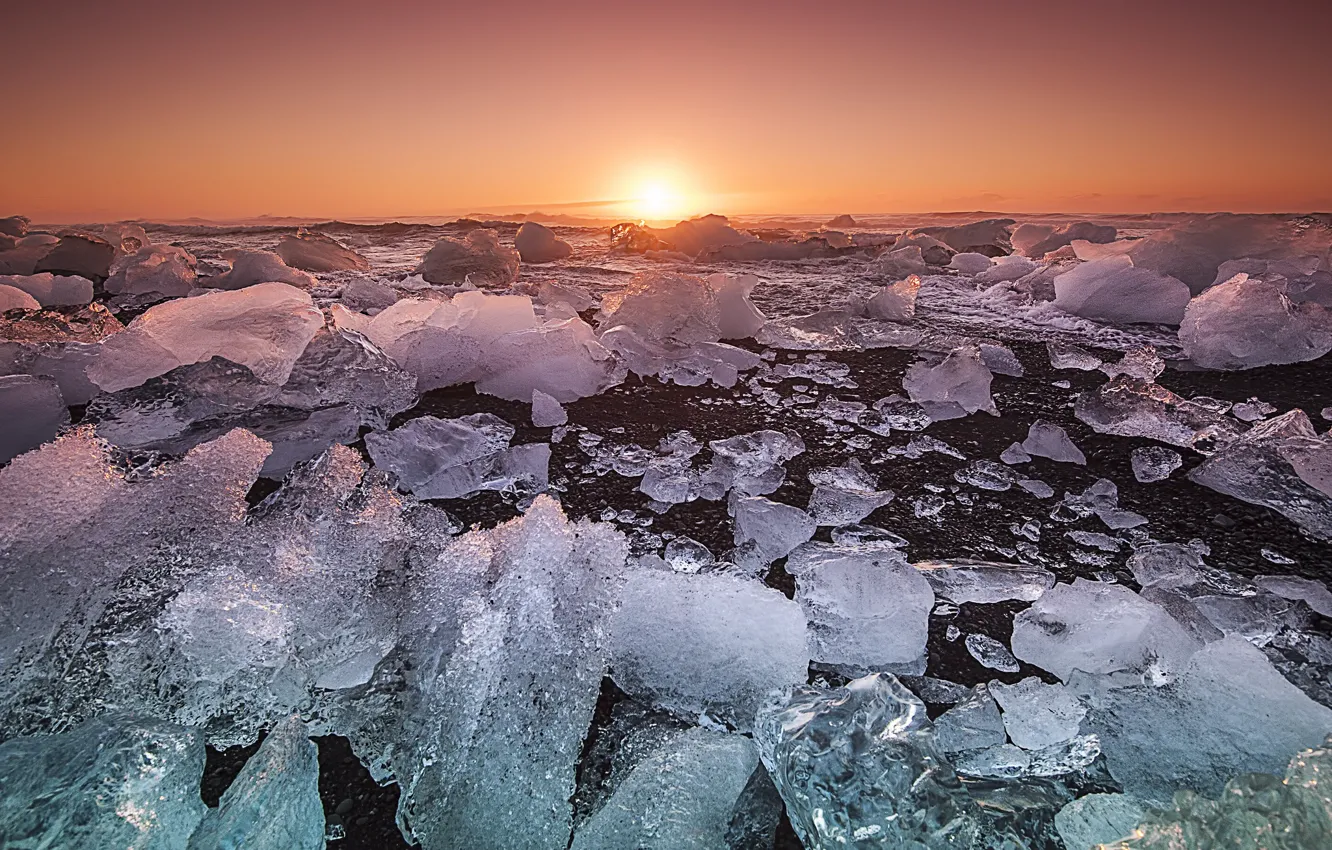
(383, 109)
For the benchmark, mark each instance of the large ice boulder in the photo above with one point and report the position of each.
(495, 341)
(78, 254)
(14, 225)
(1035, 241)
(154, 272)
(478, 258)
(666, 306)
(737, 317)
(895, 302)
(263, 327)
(537, 243)
(859, 764)
(868, 609)
(1248, 322)
(13, 298)
(990, 237)
(318, 252)
(898, 264)
(33, 412)
(251, 267)
(52, 290)
(454, 458)
(1112, 290)
(22, 256)
(951, 387)
(709, 643)
(705, 233)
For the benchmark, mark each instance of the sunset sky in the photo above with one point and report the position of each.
(384, 109)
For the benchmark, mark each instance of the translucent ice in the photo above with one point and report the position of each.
(964, 581)
(318, 252)
(546, 411)
(974, 723)
(710, 643)
(845, 494)
(1096, 819)
(737, 318)
(33, 411)
(52, 290)
(1046, 439)
(991, 653)
(1112, 290)
(263, 327)
(1314, 593)
(751, 464)
(537, 243)
(899, 264)
(478, 258)
(666, 306)
(13, 298)
(1154, 463)
(1066, 356)
(1036, 241)
(858, 765)
(153, 273)
(273, 803)
(955, 386)
(75, 253)
(895, 302)
(868, 609)
(453, 458)
(117, 781)
(969, 263)
(249, 268)
(1129, 407)
(766, 530)
(1247, 322)
(1038, 715)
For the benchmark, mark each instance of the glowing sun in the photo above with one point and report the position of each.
(659, 200)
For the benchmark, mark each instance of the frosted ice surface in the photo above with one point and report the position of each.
(318, 252)
(1142, 363)
(859, 765)
(895, 302)
(991, 653)
(1112, 290)
(973, 723)
(478, 258)
(273, 804)
(969, 263)
(1314, 593)
(1005, 269)
(1246, 322)
(737, 317)
(1038, 715)
(901, 414)
(452, 458)
(1252, 410)
(13, 298)
(546, 411)
(1100, 629)
(117, 781)
(845, 494)
(957, 385)
(766, 530)
(486, 764)
(249, 268)
(1228, 712)
(857, 534)
(1067, 356)
(1128, 407)
(899, 264)
(1097, 819)
(52, 290)
(987, 475)
(577, 298)
(868, 609)
(1014, 455)
(965, 581)
(1275, 464)
(685, 795)
(537, 243)
(153, 273)
(1001, 360)
(685, 364)
(1154, 463)
(33, 412)
(1046, 439)
(660, 306)
(559, 357)
(263, 327)
(687, 555)
(751, 464)
(710, 642)
(1037, 240)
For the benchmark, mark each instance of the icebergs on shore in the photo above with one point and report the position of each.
(537, 243)
(899, 263)
(665, 306)
(154, 272)
(249, 268)
(955, 386)
(990, 237)
(1113, 290)
(845, 494)
(478, 258)
(1035, 240)
(52, 290)
(263, 327)
(454, 458)
(1246, 322)
(79, 254)
(311, 251)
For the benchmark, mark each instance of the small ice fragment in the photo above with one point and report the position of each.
(546, 411)
(687, 555)
(991, 653)
(857, 534)
(896, 302)
(1065, 356)
(1276, 557)
(1036, 487)
(1038, 715)
(1014, 455)
(987, 475)
(845, 494)
(1154, 463)
(984, 582)
(951, 388)
(1045, 439)
(1252, 410)
(768, 530)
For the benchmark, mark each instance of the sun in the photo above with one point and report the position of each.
(658, 200)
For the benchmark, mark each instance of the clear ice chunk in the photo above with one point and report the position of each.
(453, 458)
(1154, 463)
(953, 387)
(1038, 715)
(1046, 439)
(1096, 819)
(984, 582)
(991, 653)
(845, 494)
(1248, 322)
(33, 412)
(1112, 290)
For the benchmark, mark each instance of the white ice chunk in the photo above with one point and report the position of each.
(710, 643)
(546, 411)
(969, 263)
(895, 302)
(318, 252)
(974, 723)
(1066, 356)
(1314, 593)
(453, 458)
(153, 272)
(1112, 290)
(766, 530)
(1154, 463)
(1046, 439)
(52, 290)
(537, 243)
(953, 387)
(1096, 819)
(249, 268)
(845, 494)
(965, 581)
(1246, 322)
(1038, 715)
(991, 653)
(899, 264)
(478, 258)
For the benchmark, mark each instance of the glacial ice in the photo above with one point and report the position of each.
(264, 328)
(1313, 593)
(367, 295)
(953, 387)
(311, 251)
(965, 581)
(1046, 439)
(537, 243)
(1112, 290)
(1247, 322)
(845, 494)
(895, 302)
(153, 273)
(968, 263)
(1037, 715)
(1128, 407)
(991, 653)
(117, 781)
(478, 258)
(52, 290)
(666, 306)
(706, 643)
(273, 803)
(750, 464)
(1154, 463)
(737, 317)
(33, 412)
(973, 723)
(454, 458)
(1096, 819)
(899, 264)
(989, 237)
(1006, 269)
(686, 795)
(1036, 241)
(13, 298)
(868, 609)
(766, 530)
(1142, 363)
(80, 254)
(859, 765)
(546, 411)
(1066, 356)
(249, 268)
